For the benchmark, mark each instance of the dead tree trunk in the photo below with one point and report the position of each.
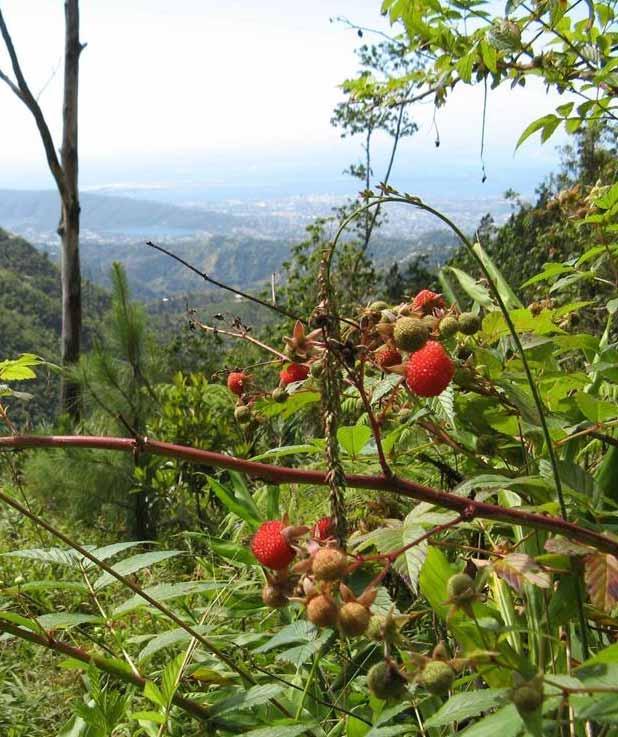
(65, 173)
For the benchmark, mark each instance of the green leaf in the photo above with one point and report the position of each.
(300, 631)
(166, 592)
(353, 439)
(153, 693)
(133, 564)
(148, 716)
(471, 287)
(505, 722)
(254, 696)
(168, 639)
(508, 296)
(489, 56)
(300, 654)
(466, 705)
(170, 678)
(281, 730)
(67, 620)
(547, 121)
(288, 450)
(595, 410)
(235, 503)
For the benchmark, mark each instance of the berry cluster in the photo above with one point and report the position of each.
(418, 329)
(406, 339)
(317, 577)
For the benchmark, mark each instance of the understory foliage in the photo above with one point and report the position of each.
(392, 512)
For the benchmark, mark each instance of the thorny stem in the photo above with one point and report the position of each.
(283, 474)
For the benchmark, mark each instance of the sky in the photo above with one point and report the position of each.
(223, 96)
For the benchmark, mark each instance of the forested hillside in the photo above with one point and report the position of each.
(30, 316)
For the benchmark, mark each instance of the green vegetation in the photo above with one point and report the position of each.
(398, 517)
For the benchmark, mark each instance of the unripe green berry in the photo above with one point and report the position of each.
(279, 394)
(316, 369)
(469, 323)
(527, 698)
(410, 334)
(460, 588)
(449, 325)
(382, 629)
(385, 681)
(242, 414)
(437, 677)
(378, 306)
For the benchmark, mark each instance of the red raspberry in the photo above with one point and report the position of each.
(427, 301)
(387, 356)
(269, 546)
(430, 370)
(236, 382)
(323, 528)
(294, 372)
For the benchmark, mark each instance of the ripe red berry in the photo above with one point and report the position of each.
(269, 546)
(427, 301)
(323, 529)
(430, 370)
(387, 356)
(236, 382)
(293, 372)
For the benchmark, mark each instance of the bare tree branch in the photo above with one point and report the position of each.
(25, 95)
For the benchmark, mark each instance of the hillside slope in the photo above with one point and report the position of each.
(30, 316)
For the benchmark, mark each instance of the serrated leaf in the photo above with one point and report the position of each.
(168, 639)
(133, 564)
(476, 291)
(288, 450)
(300, 654)
(466, 705)
(518, 568)
(601, 577)
(505, 722)
(254, 696)
(508, 296)
(60, 556)
(300, 631)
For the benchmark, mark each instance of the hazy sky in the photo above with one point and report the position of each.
(211, 92)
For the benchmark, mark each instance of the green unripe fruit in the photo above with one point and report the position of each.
(378, 306)
(385, 681)
(410, 334)
(316, 369)
(242, 414)
(279, 394)
(430, 322)
(527, 698)
(382, 629)
(469, 323)
(449, 325)
(437, 677)
(460, 588)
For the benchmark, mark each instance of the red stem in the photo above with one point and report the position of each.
(279, 474)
